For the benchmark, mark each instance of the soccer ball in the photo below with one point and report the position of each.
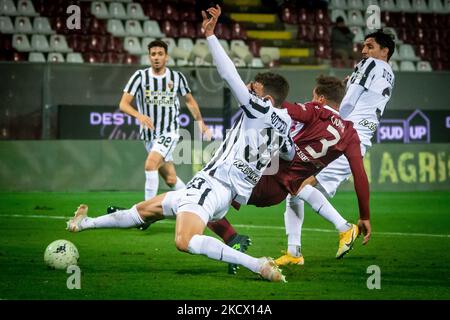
(60, 254)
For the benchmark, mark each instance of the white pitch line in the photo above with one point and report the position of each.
(401, 234)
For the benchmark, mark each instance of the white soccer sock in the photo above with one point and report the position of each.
(323, 207)
(151, 184)
(179, 185)
(293, 221)
(119, 219)
(217, 250)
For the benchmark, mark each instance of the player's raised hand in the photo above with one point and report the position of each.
(209, 24)
(145, 121)
(365, 229)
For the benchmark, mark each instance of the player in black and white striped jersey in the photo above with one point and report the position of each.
(155, 92)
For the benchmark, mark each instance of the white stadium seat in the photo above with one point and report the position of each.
(37, 57)
(394, 65)
(74, 57)
(41, 25)
(145, 41)
(99, 10)
(356, 5)
(23, 25)
(133, 28)
(152, 29)
(388, 5)
(26, 8)
(420, 6)
(117, 11)
(21, 43)
(436, 6)
(6, 25)
(135, 12)
(406, 52)
(132, 45)
(404, 6)
(338, 4)
(424, 66)
(359, 34)
(407, 66)
(58, 43)
(338, 13)
(115, 27)
(7, 8)
(55, 57)
(355, 18)
(39, 43)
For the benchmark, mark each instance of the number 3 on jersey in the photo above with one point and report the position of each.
(165, 141)
(325, 143)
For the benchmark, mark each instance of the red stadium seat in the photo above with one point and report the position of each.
(114, 45)
(113, 57)
(305, 17)
(222, 31)
(238, 31)
(254, 47)
(306, 32)
(322, 17)
(130, 59)
(388, 18)
(424, 52)
(170, 28)
(93, 57)
(187, 30)
(289, 15)
(187, 13)
(170, 12)
(19, 56)
(97, 43)
(153, 11)
(321, 34)
(96, 26)
(322, 51)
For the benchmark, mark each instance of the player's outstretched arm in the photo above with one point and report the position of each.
(224, 65)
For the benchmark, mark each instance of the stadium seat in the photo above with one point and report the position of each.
(117, 11)
(420, 6)
(306, 32)
(241, 50)
(151, 29)
(392, 32)
(407, 66)
(356, 5)
(55, 57)
(74, 57)
(269, 54)
(223, 31)
(99, 10)
(355, 18)
(7, 8)
(322, 51)
(289, 15)
(404, 6)
(406, 52)
(254, 47)
(188, 14)
(152, 11)
(338, 4)
(225, 45)
(394, 66)
(114, 58)
(367, 3)
(238, 31)
(424, 66)
(436, 6)
(359, 34)
(257, 63)
(97, 43)
(130, 59)
(135, 12)
(170, 28)
(26, 8)
(144, 44)
(6, 25)
(171, 62)
(144, 60)
(170, 12)
(19, 56)
(41, 25)
(58, 43)
(388, 5)
(170, 44)
(304, 16)
(114, 44)
(321, 17)
(91, 57)
(115, 27)
(395, 56)
(133, 28)
(39, 42)
(23, 25)
(36, 57)
(200, 53)
(185, 44)
(132, 45)
(321, 33)
(338, 13)
(187, 30)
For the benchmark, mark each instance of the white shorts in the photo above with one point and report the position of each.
(334, 174)
(164, 144)
(207, 197)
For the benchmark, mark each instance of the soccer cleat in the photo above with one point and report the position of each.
(241, 243)
(287, 259)
(346, 240)
(73, 225)
(270, 271)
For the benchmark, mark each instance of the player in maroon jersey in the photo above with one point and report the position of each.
(320, 136)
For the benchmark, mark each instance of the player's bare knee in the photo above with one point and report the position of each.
(182, 242)
(171, 181)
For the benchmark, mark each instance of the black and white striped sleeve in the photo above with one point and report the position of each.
(183, 87)
(134, 83)
(365, 73)
(256, 107)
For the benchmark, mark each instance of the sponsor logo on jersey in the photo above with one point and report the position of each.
(337, 123)
(251, 174)
(278, 123)
(368, 124)
(301, 155)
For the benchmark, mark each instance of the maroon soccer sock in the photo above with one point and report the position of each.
(223, 229)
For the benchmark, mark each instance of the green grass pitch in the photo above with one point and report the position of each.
(410, 245)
